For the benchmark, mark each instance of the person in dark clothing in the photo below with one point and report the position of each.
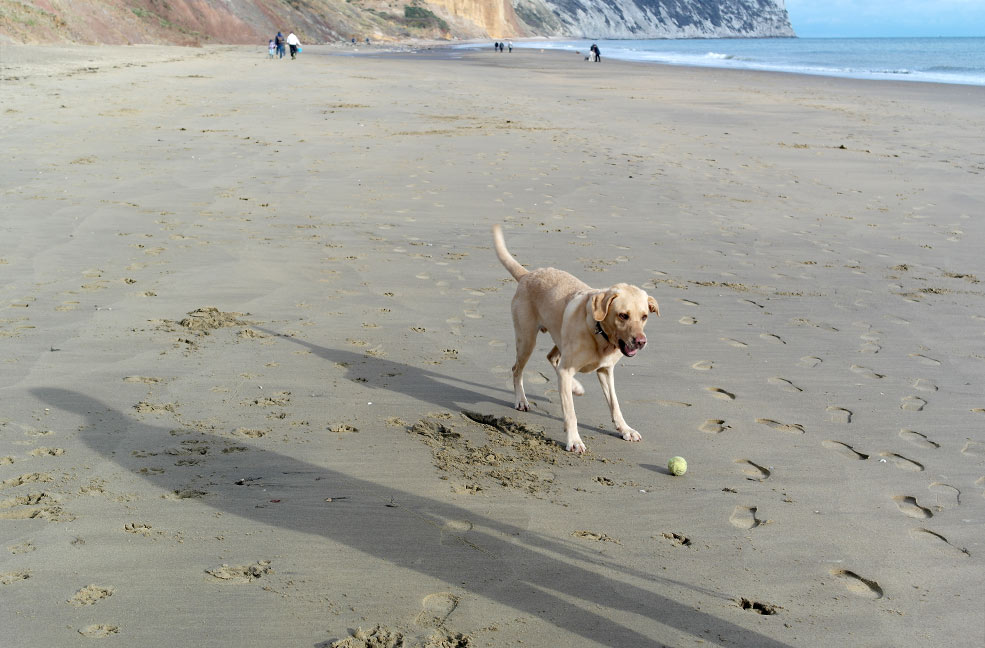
(596, 54)
(279, 43)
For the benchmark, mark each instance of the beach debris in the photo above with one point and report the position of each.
(678, 538)
(384, 637)
(206, 319)
(765, 609)
(90, 594)
(241, 573)
(482, 449)
(598, 537)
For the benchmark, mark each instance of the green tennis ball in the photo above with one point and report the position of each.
(677, 466)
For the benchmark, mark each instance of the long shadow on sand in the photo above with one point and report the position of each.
(427, 386)
(557, 582)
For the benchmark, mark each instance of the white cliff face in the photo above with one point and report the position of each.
(656, 18)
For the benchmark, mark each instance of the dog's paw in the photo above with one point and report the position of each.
(629, 434)
(576, 388)
(576, 446)
(522, 406)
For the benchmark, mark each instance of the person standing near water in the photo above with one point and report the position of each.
(294, 44)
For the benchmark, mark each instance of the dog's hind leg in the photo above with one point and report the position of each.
(554, 357)
(525, 329)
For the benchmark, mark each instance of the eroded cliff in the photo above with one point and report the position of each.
(188, 22)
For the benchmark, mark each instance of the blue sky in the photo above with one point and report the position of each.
(820, 18)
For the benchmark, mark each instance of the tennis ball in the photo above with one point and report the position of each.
(677, 466)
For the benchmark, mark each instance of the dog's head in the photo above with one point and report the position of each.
(621, 312)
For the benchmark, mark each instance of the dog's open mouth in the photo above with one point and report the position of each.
(628, 350)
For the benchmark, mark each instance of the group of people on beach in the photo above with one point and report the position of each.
(276, 45)
(500, 47)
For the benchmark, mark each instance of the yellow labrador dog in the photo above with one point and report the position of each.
(591, 328)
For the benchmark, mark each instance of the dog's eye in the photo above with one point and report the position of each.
(624, 316)
(644, 317)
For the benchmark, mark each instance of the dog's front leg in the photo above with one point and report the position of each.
(608, 382)
(565, 381)
(554, 357)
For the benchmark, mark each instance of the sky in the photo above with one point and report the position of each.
(859, 18)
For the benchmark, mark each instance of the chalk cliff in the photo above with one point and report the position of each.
(189, 22)
(657, 18)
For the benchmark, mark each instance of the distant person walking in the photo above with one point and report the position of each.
(271, 49)
(596, 54)
(294, 44)
(510, 45)
(279, 43)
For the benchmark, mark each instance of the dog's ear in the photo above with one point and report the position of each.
(601, 302)
(654, 307)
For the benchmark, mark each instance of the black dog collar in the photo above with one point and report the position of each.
(599, 331)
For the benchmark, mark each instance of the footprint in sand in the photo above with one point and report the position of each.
(924, 385)
(839, 414)
(753, 471)
(751, 303)
(703, 365)
(844, 450)
(865, 371)
(858, 585)
(784, 384)
(687, 321)
(908, 506)
(902, 462)
(973, 449)
(793, 428)
(720, 393)
(918, 440)
(870, 344)
(687, 302)
(809, 362)
(670, 403)
(925, 360)
(713, 426)
(436, 608)
(770, 337)
(912, 403)
(744, 517)
(937, 541)
(946, 496)
(735, 343)
(99, 631)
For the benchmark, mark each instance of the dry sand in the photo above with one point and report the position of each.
(254, 354)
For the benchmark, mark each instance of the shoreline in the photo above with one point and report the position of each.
(256, 349)
(19, 59)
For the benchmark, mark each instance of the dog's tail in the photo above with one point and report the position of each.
(504, 255)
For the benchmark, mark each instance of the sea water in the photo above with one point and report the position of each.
(937, 60)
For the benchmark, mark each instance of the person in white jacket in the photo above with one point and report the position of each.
(294, 44)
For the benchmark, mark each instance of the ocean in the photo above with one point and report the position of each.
(936, 60)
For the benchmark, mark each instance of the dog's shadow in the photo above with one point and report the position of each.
(441, 390)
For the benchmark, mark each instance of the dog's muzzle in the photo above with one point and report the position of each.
(631, 348)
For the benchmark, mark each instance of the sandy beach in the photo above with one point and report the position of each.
(255, 352)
